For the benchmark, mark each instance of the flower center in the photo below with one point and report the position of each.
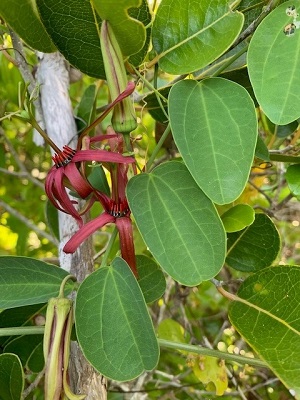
(64, 157)
(119, 209)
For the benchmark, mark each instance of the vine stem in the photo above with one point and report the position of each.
(190, 348)
(211, 352)
(158, 147)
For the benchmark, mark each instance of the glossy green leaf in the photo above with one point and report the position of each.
(293, 178)
(25, 281)
(151, 278)
(36, 361)
(238, 217)
(269, 319)
(24, 19)
(74, 28)
(178, 222)
(11, 377)
(214, 126)
(18, 316)
(255, 247)
(113, 325)
(273, 58)
(188, 35)
(130, 33)
(24, 346)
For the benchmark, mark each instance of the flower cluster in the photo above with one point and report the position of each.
(69, 172)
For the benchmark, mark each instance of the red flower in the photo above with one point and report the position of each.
(69, 172)
(66, 174)
(116, 209)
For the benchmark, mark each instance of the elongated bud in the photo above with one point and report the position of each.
(123, 119)
(58, 327)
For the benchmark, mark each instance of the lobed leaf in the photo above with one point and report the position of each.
(130, 33)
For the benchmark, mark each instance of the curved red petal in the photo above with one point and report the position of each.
(102, 156)
(86, 230)
(78, 182)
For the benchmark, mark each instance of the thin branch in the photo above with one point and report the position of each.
(34, 384)
(24, 172)
(212, 353)
(28, 223)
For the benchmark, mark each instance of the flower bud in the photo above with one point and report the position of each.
(56, 346)
(123, 119)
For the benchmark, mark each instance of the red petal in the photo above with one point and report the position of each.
(86, 230)
(78, 183)
(101, 156)
(124, 226)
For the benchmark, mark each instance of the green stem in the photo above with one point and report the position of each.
(158, 147)
(148, 84)
(211, 352)
(63, 284)
(22, 330)
(284, 158)
(109, 247)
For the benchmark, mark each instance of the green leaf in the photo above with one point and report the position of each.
(24, 19)
(18, 316)
(87, 106)
(214, 126)
(36, 361)
(51, 215)
(143, 14)
(25, 281)
(98, 180)
(74, 28)
(24, 346)
(293, 178)
(238, 217)
(113, 325)
(273, 58)
(255, 247)
(151, 278)
(130, 33)
(178, 222)
(169, 329)
(11, 377)
(188, 35)
(261, 150)
(269, 319)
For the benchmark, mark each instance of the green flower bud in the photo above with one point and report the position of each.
(56, 346)
(123, 119)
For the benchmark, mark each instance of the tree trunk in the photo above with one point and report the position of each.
(53, 78)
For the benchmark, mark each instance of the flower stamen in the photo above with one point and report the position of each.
(64, 157)
(118, 210)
